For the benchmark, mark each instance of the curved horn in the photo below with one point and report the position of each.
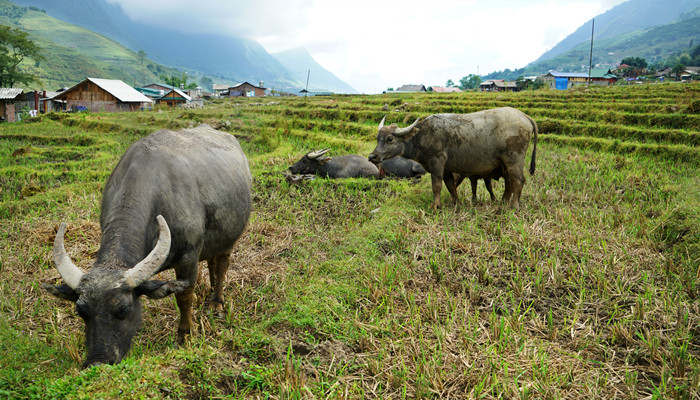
(70, 273)
(149, 265)
(403, 131)
(381, 124)
(316, 154)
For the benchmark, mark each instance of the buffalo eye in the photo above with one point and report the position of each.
(123, 311)
(389, 139)
(83, 310)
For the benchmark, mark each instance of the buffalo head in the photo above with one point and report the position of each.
(390, 141)
(310, 163)
(107, 297)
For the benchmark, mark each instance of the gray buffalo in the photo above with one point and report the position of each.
(347, 166)
(174, 198)
(468, 144)
(401, 168)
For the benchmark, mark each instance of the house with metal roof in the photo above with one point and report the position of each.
(498, 85)
(245, 89)
(8, 98)
(174, 98)
(103, 95)
(568, 80)
(451, 89)
(410, 89)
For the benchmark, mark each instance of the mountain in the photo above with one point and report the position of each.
(300, 62)
(73, 53)
(223, 58)
(626, 17)
(648, 29)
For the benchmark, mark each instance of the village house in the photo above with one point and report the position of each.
(103, 95)
(567, 80)
(410, 89)
(8, 98)
(451, 89)
(174, 98)
(498, 85)
(245, 89)
(310, 93)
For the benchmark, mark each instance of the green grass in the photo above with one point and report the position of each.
(356, 289)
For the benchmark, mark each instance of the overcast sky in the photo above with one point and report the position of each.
(376, 44)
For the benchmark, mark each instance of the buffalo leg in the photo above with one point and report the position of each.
(474, 181)
(217, 277)
(184, 303)
(188, 271)
(437, 169)
(514, 185)
(487, 183)
(451, 187)
(437, 188)
(508, 188)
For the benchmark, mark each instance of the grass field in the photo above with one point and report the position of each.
(356, 289)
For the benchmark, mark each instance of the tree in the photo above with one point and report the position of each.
(636, 62)
(207, 83)
(470, 81)
(15, 46)
(678, 70)
(142, 55)
(450, 83)
(175, 81)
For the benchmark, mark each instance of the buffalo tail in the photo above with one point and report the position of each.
(534, 146)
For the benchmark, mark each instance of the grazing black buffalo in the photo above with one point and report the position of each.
(347, 166)
(198, 181)
(401, 167)
(468, 144)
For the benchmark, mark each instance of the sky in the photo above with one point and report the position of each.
(374, 45)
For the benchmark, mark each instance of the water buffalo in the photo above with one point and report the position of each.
(198, 181)
(474, 179)
(468, 144)
(401, 167)
(347, 166)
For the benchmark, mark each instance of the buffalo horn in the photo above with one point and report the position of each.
(381, 124)
(403, 131)
(70, 273)
(316, 154)
(149, 265)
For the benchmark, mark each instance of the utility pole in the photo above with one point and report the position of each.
(307, 83)
(590, 58)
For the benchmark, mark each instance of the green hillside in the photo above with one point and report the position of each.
(73, 53)
(655, 45)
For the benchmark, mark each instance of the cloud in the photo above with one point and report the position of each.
(375, 44)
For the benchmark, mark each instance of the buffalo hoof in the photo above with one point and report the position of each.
(182, 336)
(217, 308)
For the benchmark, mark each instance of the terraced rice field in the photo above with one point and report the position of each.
(356, 289)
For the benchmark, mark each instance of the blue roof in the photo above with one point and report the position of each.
(568, 74)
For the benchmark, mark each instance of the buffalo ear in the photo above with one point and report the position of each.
(61, 291)
(160, 289)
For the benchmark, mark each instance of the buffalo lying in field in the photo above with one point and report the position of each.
(469, 144)
(347, 166)
(401, 168)
(198, 181)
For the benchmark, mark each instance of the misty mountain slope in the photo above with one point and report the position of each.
(73, 53)
(629, 16)
(300, 62)
(223, 57)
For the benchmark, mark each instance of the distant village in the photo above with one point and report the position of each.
(109, 95)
